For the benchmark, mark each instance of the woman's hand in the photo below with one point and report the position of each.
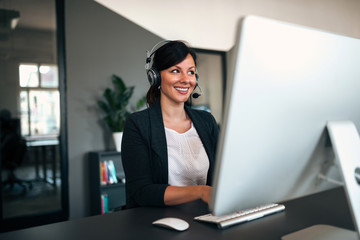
(179, 195)
(205, 193)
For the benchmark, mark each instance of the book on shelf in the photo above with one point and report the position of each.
(107, 172)
(104, 204)
(103, 176)
(112, 172)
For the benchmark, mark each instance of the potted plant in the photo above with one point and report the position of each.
(115, 106)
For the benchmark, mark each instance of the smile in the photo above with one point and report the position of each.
(181, 89)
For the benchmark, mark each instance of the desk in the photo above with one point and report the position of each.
(329, 207)
(43, 145)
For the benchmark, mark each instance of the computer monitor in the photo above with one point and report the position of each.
(286, 82)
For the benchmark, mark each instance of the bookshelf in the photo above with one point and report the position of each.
(107, 182)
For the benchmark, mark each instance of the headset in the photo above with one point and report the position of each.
(153, 75)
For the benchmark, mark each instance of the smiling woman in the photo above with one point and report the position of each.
(168, 150)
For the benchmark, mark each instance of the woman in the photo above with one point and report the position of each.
(168, 149)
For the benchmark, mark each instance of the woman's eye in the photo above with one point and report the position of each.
(191, 72)
(175, 71)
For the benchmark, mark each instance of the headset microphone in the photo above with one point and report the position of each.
(196, 95)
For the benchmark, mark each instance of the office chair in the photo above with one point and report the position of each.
(13, 150)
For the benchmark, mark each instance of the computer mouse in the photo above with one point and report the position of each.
(172, 223)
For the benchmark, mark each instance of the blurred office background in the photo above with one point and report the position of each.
(57, 57)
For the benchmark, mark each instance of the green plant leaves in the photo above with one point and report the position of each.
(115, 104)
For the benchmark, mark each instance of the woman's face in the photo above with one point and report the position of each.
(178, 81)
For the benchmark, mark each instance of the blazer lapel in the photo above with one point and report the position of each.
(158, 138)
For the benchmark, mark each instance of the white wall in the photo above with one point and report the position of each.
(211, 24)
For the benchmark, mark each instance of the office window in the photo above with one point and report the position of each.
(39, 99)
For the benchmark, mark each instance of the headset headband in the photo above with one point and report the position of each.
(152, 52)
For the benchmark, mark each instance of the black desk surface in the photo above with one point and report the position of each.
(329, 207)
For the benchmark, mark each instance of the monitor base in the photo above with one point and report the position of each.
(322, 232)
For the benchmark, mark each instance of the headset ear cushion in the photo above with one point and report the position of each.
(153, 76)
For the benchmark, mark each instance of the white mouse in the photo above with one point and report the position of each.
(172, 223)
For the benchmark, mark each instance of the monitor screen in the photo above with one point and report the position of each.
(285, 83)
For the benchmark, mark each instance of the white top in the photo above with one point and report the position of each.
(187, 159)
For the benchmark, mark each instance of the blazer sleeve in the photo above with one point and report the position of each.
(136, 157)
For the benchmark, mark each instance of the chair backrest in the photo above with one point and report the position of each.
(13, 149)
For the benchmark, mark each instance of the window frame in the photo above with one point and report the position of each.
(29, 89)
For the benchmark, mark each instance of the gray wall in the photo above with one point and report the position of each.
(99, 43)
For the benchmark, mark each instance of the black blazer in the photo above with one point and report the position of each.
(144, 153)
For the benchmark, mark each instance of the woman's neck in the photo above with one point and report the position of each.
(173, 111)
(175, 117)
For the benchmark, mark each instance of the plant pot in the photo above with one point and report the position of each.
(117, 140)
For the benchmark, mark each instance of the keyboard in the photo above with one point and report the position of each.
(241, 216)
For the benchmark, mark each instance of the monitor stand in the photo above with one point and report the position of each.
(322, 232)
(346, 145)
